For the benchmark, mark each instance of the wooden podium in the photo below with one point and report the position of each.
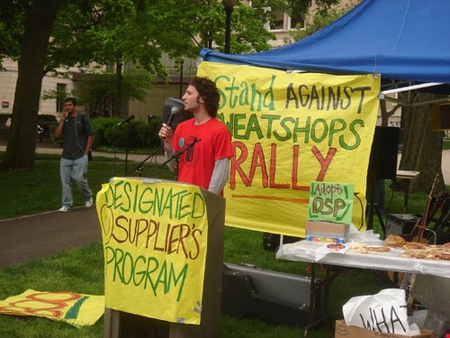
(119, 324)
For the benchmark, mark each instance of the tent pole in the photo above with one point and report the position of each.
(383, 93)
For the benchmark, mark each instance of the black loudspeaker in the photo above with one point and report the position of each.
(173, 104)
(271, 242)
(384, 153)
(400, 224)
(440, 116)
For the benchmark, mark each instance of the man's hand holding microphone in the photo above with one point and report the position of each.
(165, 133)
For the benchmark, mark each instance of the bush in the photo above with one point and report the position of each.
(41, 117)
(141, 135)
(47, 118)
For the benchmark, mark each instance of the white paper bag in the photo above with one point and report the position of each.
(384, 312)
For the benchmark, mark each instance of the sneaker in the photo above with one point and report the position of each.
(88, 203)
(64, 208)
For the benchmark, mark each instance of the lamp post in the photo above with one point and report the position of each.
(181, 77)
(228, 5)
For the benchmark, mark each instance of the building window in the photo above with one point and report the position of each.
(282, 22)
(278, 21)
(297, 21)
(110, 68)
(60, 96)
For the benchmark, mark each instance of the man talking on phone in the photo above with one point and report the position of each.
(78, 139)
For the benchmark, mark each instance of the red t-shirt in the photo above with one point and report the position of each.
(196, 164)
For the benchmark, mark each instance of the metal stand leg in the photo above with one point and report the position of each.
(371, 209)
(373, 196)
(406, 197)
(315, 286)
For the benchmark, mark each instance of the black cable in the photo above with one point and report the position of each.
(362, 210)
(388, 209)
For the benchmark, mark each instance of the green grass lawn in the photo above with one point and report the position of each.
(81, 269)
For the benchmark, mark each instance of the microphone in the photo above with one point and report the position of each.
(126, 120)
(173, 112)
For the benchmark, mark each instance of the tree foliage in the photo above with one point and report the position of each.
(51, 36)
(321, 18)
(11, 28)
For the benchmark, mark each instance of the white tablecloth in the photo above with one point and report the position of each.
(316, 252)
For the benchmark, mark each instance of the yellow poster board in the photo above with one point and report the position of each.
(70, 307)
(155, 240)
(288, 129)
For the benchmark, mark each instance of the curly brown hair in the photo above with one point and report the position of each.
(208, 92)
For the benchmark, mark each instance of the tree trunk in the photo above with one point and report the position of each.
(422, 147)
(20, 152)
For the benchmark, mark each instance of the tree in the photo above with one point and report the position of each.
(203, 23)
(30, 26)
(94, 35)
(322, 18)
(139, 40)
(113, 32)
(302, 6)
(97, 90)
(422, 147)
(38, 18)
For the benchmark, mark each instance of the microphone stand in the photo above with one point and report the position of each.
(128, 144)
(140, 166)
(131, 117)
(176, 156)
(128, 140)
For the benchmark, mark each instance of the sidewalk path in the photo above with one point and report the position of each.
(52, 148)
(46, 234)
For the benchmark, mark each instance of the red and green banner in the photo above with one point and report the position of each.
(70, 307)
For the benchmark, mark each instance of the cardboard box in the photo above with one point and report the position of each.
(326, 231)
(346, 331)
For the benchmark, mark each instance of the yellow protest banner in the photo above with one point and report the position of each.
(290, 128)
(155, 240)
(70, 307)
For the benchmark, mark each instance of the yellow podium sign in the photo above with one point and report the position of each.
(288, 129)
(155, 241)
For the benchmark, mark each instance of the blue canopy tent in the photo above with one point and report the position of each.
(406, 41)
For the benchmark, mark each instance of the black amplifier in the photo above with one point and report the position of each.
(400, 224)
